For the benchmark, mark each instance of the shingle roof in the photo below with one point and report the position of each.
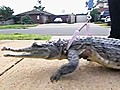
(35, 12)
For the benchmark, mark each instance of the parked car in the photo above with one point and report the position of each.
(108, 20)
(58, 20)
(103, 15)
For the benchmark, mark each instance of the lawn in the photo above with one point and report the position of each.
(17, 26)
(102, 24)
(18, 36)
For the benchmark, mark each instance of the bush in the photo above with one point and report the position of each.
(26, 20)
(95, 15)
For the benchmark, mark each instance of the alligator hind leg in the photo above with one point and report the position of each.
(73, 58)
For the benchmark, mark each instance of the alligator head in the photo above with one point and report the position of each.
(45, 51)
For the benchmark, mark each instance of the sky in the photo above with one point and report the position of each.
(53, 6)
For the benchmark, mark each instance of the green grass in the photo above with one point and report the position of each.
(17, 26)
(18, 36)
(98, 22)
(102, 24)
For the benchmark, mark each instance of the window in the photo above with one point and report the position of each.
(38, 17)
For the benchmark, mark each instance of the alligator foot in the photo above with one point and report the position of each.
(67, 68)
(55, 77)
(64, 69)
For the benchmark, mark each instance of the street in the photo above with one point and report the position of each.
(61, 30)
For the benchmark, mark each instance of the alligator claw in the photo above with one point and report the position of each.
(55, 77)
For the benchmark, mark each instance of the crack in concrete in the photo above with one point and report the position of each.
(2, 73)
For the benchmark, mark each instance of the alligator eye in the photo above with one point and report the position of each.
(34, 44)
(85, 57)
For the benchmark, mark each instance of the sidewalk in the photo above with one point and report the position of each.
(34, 74)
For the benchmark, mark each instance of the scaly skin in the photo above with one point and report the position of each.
(105, 51)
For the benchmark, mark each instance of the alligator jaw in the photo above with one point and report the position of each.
(28, 52)
(26, 55)
(16, 50)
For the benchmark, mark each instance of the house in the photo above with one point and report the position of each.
(81, 18)
(7, 22)
(37, 16)
(42, 17)
(103, 5)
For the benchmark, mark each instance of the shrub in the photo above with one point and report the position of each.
(26, 19)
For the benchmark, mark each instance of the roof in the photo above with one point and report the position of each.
(32, 12)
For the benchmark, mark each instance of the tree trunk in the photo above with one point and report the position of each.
(114, 8)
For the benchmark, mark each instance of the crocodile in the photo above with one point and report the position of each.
(105, 51)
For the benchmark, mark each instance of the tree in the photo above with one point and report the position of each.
(39, 7)
(114, 8)
(6, 13)
(95, 14)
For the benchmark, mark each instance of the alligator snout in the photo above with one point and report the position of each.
(4, 48)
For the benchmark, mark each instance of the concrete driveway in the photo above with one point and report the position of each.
(34, 74)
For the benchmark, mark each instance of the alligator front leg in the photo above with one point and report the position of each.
(73, 58)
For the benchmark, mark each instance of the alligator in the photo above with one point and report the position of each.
(105, 51)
